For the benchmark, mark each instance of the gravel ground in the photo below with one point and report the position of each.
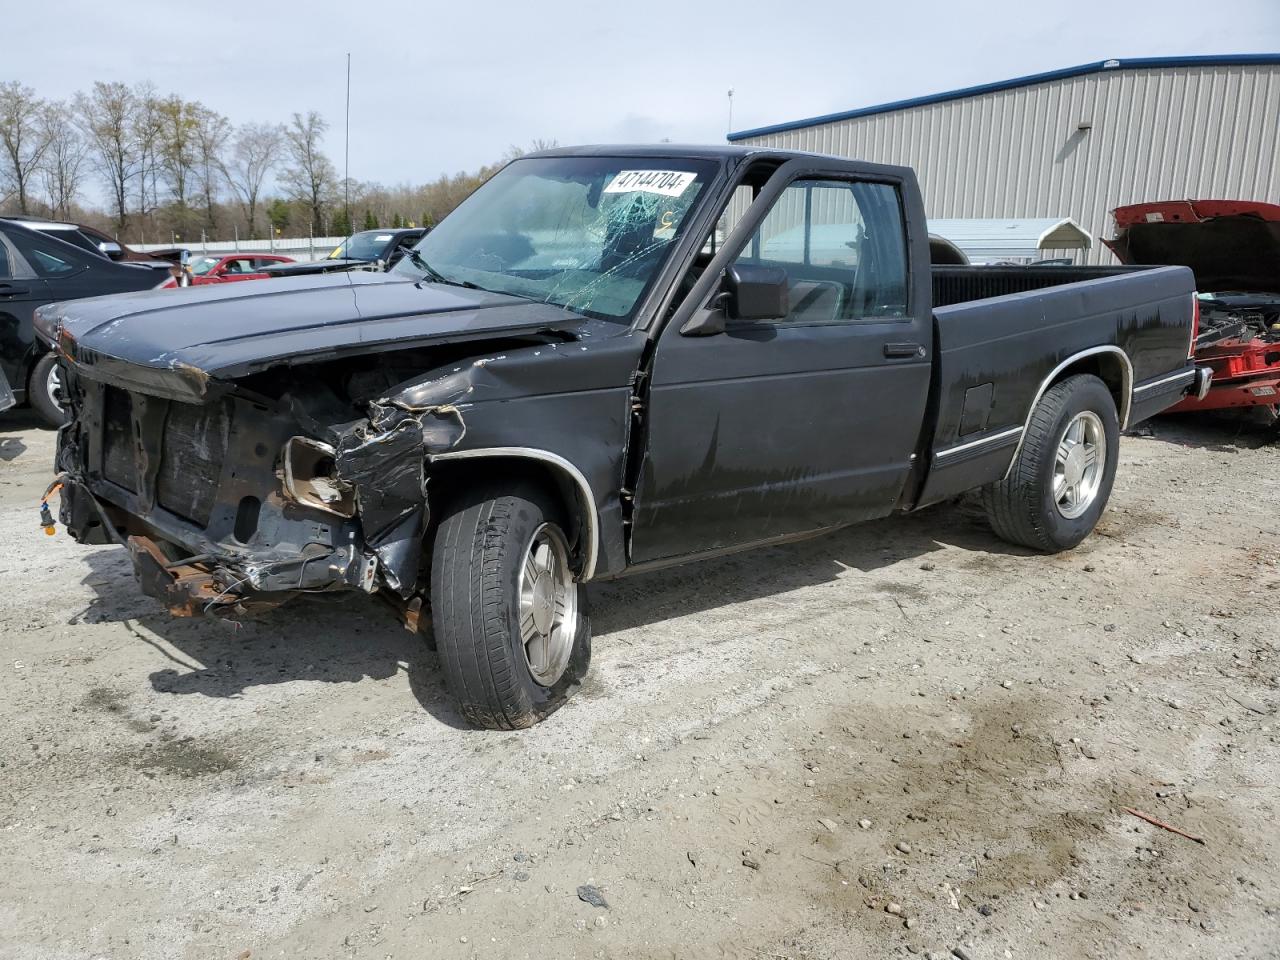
(904, 739)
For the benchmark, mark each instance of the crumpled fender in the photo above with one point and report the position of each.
(387, 471)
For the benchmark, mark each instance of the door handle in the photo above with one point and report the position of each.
(8, 290)
(896, 351)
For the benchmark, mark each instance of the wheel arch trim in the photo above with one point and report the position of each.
(586, 497)
(1126, 393)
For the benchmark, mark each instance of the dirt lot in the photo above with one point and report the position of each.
(904, 739)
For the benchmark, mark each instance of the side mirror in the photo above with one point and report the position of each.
(756, 292)
(111, 250)
(748, 292)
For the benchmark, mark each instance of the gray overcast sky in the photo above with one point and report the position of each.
(446, 87)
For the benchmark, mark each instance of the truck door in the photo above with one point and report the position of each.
(781, 427)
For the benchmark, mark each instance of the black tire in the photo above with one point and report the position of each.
(1022, 508)
(40, 394)
(480, 547)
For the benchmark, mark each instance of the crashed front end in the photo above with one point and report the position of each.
(274, 486)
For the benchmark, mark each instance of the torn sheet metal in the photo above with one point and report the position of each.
(387, 471)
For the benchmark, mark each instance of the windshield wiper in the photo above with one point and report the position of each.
(434, 275)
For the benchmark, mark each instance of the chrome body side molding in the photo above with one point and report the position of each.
(586, 498)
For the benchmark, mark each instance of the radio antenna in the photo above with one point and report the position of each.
(346, 152)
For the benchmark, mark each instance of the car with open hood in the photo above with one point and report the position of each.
(598, 365)
(1233, 247)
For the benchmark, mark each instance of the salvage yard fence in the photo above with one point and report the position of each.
(300, 248)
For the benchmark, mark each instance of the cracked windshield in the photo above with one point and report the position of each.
(588, 234)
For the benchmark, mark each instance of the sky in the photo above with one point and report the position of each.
(439, 88)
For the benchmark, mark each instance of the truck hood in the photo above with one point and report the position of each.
(180, 343)
(1228, 244)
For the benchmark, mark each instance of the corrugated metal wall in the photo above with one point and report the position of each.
(1210, 132)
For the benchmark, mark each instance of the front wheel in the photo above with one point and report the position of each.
(46, 390)
(511, 623)
(1061, 478)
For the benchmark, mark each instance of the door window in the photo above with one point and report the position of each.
(843, 246)
(5, 270)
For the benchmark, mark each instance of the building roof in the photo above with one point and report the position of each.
(1134, 63)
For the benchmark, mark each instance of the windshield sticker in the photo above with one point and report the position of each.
(665, 228)
(382, 238)
(668, 183)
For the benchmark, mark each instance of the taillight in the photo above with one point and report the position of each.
(1195, 325)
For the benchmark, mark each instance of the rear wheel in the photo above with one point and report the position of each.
(45, 392)
(1061, 478)
(511, 623)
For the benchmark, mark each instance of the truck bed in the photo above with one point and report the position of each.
(1002, 334)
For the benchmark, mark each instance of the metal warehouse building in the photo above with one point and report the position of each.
(1072, 143)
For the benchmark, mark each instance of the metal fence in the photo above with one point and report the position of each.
(300, 248)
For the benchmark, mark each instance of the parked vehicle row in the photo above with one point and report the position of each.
(369, 249)
(46, 261)
(569, 379)
(230, 268)
(95, 241)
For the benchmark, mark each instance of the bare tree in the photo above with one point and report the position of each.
(253, 156)
(211, 132)
(310, 176)
(23, 137)
(177, 148)
(146, 129)
(106, 115)
(62, 171)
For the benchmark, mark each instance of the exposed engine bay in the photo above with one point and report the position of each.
(1233, 247)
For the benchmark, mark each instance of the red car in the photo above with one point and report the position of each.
(1233, 247)
(230, 267)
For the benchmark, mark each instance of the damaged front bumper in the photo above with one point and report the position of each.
(193, 575)
(231, 507)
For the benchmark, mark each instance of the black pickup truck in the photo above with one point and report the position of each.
(606, 360)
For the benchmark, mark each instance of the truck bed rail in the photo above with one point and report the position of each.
(962, 284)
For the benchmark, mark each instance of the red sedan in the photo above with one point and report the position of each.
(230, 267)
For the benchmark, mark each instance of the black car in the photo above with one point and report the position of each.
(358, 251)
(36, 268)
